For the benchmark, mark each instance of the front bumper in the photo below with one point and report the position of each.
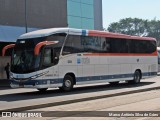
(36, 83)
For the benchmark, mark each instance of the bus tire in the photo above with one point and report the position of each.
(42, 89)
(67, 83)
(136, 78)
(114, 83)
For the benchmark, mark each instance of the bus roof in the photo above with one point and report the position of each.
(73, 31)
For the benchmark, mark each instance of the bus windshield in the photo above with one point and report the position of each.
(23, 58)
(25, 61)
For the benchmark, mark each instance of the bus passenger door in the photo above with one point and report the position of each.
(48, 62)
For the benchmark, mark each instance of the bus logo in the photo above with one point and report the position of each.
(78, 60)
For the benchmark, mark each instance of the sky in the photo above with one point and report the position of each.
(114, 10)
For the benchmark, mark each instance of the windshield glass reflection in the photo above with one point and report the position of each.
(25, 61)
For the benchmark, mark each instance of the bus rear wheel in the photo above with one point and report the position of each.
(136, 78)
(67, 83)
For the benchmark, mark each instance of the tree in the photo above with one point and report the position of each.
(154, 30)
(136, 26)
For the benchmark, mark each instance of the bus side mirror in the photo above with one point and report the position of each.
(41, 44)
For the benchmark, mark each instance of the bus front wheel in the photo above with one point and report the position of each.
(67, 83)
(136, 78)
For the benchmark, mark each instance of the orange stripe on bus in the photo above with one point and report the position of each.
(117, 35)
(120, 54)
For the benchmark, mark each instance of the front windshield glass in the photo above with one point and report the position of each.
(25, 61)
(23, 58)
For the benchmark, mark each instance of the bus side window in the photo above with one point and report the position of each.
(47, 59)
(73, 45)
(105, 44)
(55, 56)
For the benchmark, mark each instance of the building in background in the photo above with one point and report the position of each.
(19, 16)
(84, 14)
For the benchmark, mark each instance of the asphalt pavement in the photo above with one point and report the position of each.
(27, 99)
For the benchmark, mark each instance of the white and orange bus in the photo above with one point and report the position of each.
(64, 57)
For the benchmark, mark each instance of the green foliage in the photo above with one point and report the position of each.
(154, 29)
(138, 27)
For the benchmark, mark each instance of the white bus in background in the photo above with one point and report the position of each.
(64, 57)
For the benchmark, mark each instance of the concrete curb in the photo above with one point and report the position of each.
(76, 100)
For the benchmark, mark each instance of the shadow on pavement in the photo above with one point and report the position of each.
(5, 87)
(4, 84)
(57, 92)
